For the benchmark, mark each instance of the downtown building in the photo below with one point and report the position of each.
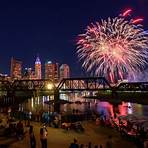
(52, 71)
(29, 74)
(16, 69)
(38, 66)
(64, 71)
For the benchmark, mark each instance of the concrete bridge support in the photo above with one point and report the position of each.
(56, 101)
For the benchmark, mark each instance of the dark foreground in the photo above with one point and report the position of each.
(58, 137)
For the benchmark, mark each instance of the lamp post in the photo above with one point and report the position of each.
(56, 100)
(50, 86)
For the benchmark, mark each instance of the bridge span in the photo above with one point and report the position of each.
(44, 87)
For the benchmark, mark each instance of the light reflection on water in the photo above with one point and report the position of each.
(124, 108)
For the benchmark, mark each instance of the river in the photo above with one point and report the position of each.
(81, 104)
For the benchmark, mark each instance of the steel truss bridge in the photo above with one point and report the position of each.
(132, 86)
(70, 84)
(84, 84)
(25, 85)
(34, 88)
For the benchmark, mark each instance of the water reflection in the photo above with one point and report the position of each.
(83, 105)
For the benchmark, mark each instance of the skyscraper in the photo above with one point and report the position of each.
(28, 74)
(52, 71)
(64, 71)
(48, 70)
(38, 71)
(16, 68)
(56, 72)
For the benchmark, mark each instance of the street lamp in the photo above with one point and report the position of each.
(50, 86)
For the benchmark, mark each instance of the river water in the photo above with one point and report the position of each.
(81, 104)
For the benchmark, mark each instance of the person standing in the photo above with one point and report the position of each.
(43, 137)
(20, 130)
(89, 145)
(32, 137)
(109, 143)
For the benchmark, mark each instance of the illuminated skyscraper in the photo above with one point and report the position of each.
(38, 72)
(16, 69)
(52, 71)
(64, 71)
(56, 72)
(29, 74)
(48, 70)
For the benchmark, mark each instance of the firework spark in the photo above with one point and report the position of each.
(113, 48)
(127, 12)
(137, 21)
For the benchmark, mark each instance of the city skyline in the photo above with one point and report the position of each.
(51, 28)
(74, 73)
(47, 70)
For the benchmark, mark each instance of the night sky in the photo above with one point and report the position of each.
(50, 28)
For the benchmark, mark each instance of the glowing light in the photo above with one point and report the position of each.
(50, 86)
(32, 103)
(138, 20)
(127, 12)
(49, 62)
(113, 48)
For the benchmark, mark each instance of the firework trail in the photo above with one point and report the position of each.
(114, 48)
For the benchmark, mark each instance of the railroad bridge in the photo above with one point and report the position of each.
(45, 87)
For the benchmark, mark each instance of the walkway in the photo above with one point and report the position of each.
(59, 138)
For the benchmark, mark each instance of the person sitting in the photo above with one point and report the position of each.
(97, 121)
(56, 122)
(67, 126)
(79, 127)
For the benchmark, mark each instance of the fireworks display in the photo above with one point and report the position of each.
(114, 48)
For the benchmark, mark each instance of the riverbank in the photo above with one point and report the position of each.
(58, 137)
(120, 96)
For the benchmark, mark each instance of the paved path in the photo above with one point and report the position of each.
(59, 138)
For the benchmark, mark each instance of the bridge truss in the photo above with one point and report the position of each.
(84, 84)
(32, 85)
(132, 86)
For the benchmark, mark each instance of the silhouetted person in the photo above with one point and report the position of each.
(20, 130)
(74, 144)
(32, 137)
(43, 137)
(109, 143)
(82, 146)
(89, 145)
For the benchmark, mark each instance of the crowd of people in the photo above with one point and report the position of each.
(67, 122)
(109, 144)
(12, 128)
(131, 130)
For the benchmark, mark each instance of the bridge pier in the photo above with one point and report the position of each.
(114, 94)
(56, 101)
(10, 97)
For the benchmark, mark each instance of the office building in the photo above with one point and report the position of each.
(52, 71)
(16, 69)
(48, 70)
(64, 71)
(29, 74)
(38, 71)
